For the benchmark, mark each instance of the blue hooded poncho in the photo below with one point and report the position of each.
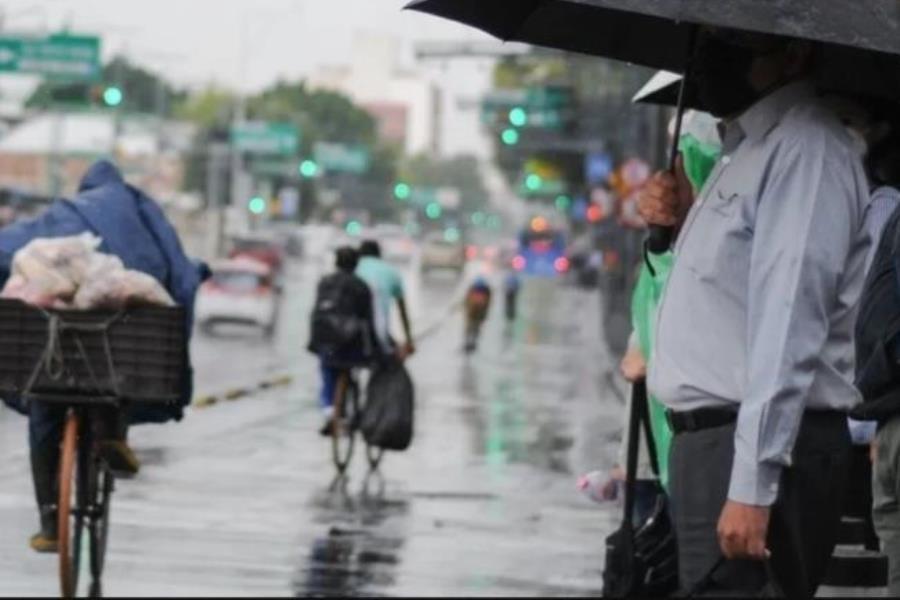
(132, 227)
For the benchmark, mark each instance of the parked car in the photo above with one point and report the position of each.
(438, 252)
(396, 244)
(259, 248)
(240, 291)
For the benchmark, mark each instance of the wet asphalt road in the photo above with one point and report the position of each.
(236, 499)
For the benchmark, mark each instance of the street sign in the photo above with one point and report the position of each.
(261, 137)
(289, 198)
(341, 157)
(61, 56)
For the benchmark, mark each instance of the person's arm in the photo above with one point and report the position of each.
(805, 228)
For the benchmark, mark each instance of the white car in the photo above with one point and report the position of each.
(438, 252)
(396, 244)
(240, 291)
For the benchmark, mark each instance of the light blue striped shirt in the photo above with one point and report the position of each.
(760, 305)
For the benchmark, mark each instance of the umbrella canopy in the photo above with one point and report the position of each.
(655, 33)
(662, 88)
(860, 56)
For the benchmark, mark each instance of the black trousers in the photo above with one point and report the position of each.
(804, 519)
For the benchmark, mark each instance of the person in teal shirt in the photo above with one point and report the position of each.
(387, 286)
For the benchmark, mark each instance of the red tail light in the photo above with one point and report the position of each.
(471, 252)
(518, 263)
(561, 264)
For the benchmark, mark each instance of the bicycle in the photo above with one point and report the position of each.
(345, 424)
(85, 490)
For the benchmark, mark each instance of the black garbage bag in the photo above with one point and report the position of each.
(387, 421)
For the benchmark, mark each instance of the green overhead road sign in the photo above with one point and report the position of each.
(62, 56)
(260, 137)
(341, 157)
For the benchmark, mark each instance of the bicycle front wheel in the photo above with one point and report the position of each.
(72, 488)
(343, 424)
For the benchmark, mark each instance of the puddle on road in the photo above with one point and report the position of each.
(359, 553)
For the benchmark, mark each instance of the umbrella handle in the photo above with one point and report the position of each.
(659, 238)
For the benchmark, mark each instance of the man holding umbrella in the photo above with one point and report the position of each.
(754, 355)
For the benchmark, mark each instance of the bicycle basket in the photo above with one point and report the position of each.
(136, 354)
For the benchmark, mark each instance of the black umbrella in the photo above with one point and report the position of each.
(861, 37)
(655, 33)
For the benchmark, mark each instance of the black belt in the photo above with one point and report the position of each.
(700, 419)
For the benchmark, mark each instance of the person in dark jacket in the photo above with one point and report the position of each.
(133, 227)
(343, 309)
(477, 303)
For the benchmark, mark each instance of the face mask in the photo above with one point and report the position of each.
(699, 159)
(720, 71)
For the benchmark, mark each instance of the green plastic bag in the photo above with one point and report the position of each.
(644, 301)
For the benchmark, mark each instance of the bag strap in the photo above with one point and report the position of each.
(634, 425)
(643, 401)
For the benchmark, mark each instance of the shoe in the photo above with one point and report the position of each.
(41, 542)
(46, 540)
(119, 457)
(325, 430)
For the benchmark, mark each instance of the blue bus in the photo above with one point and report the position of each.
(541, 250)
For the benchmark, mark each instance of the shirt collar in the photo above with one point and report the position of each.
(758, 120)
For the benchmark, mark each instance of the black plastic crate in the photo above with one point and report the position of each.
(138, 355)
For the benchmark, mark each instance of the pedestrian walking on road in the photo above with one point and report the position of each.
(511, 287)
(753, 354)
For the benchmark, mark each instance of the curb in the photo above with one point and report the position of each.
(241, 392)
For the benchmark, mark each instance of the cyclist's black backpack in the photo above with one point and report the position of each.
(878, 330)
(334, 324)
(387, 421)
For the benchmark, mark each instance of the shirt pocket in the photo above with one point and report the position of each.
(724, 203)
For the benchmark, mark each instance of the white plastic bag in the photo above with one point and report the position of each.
(119, 288)
(48, 271)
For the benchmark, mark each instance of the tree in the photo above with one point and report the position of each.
(142, 90)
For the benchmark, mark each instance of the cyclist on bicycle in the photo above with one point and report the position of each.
(134, 228)
(342, 331)
(387, 286)
(477, 303)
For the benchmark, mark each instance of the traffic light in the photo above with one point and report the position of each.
(113, 96)
(510, 136)
(433, 210)
(534, 182)
(402, 191)
(518, 117)
(309, 168)
(353, 228)
(563, 203)
(257, 205)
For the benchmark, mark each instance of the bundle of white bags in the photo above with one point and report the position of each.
(70, 273)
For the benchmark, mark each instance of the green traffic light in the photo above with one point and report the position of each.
(534, 182)
(309, 168)
(112, 96)
(518, 117)
(257, 205)
(433, 210)
(354, 228)
(563, 203)
(451, 235)
(478, 218)
(510, 137)
(402, 191)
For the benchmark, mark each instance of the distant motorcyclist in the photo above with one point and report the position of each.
(476, 305)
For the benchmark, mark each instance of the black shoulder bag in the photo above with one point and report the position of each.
(641, 562)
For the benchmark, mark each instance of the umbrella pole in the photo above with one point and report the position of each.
(659, 238)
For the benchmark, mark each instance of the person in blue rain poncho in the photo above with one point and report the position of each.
(133, 227)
